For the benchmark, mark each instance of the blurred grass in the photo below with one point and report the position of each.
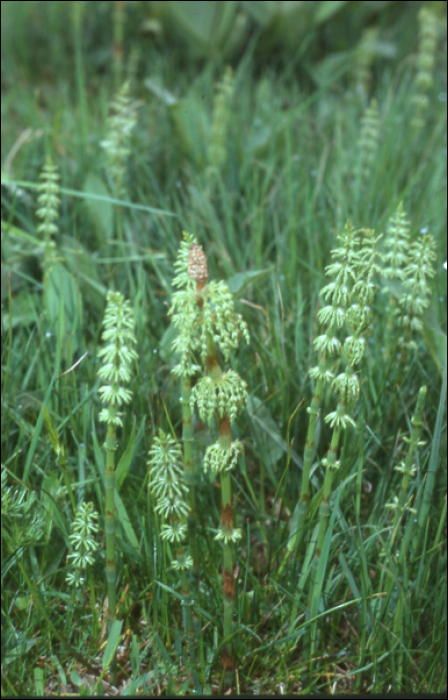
(267, 222)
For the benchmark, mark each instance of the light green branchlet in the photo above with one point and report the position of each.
(169, 488)
(84, 543)
(207, 322)
(117, 357)
(425, 65)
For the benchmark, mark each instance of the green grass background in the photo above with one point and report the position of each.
(267, 223)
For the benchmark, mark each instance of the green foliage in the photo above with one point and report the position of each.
(311, 569)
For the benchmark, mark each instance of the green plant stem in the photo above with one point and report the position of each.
(324, 507)
(324, 514)
(111, 572)
(225, 439)
(187, 439)
(191, 620)
(187, 615)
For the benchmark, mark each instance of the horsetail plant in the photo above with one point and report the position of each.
(117, 357)
(84, 547)
(412, 265)
(84, 544)
(364, 56)
(222, 395)
(415, 300)
(48, 201)
(217, 151)
(48, 212)
(396, 243)
(120, 124)
(395, 259)
(368, 139)
(204, 314)
(358, 316)
(425, 64)
(327, 345)
(187, 368)
(169, 488)
(353, 305)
